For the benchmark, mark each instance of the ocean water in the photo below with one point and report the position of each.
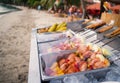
(4, 9)
(7, 8)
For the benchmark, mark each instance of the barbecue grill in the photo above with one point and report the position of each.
(90, 36)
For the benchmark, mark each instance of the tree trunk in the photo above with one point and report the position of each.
(101, 7)
(83, 9)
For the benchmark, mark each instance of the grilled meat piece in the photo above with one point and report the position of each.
(105, 29)
(118, 33)
(114, 33)
(94, 26)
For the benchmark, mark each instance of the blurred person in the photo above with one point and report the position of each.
(39, 8)
(72, 10)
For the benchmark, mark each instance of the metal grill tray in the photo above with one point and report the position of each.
(47, 37)
(76, 26)
(53, 36)
(99, 38)
(48, 47)
(45, 61)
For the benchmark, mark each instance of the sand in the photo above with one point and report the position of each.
(15, 34)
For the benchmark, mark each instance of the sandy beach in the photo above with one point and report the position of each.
(15, 34)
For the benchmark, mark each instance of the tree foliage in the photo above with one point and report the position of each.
(34, 3)
(50, 3)
(6, 1)
(75, 2)
(43, 3)
(31, 2)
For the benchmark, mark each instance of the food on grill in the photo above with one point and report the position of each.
(87, 57)
(106, 52)
(74, 43)
(63, 44)
(54, 28)
(114, 33)
(88, 60)
(105, 29)
(118, 33)
(94, 26)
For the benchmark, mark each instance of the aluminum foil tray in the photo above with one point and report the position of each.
(47, 62)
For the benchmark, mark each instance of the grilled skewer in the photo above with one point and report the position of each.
(105, 28)
(94, 26)
(118, 33)
(114, 33)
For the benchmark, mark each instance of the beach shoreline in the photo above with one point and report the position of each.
(15, 34)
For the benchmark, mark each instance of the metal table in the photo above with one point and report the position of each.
(34, 73)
